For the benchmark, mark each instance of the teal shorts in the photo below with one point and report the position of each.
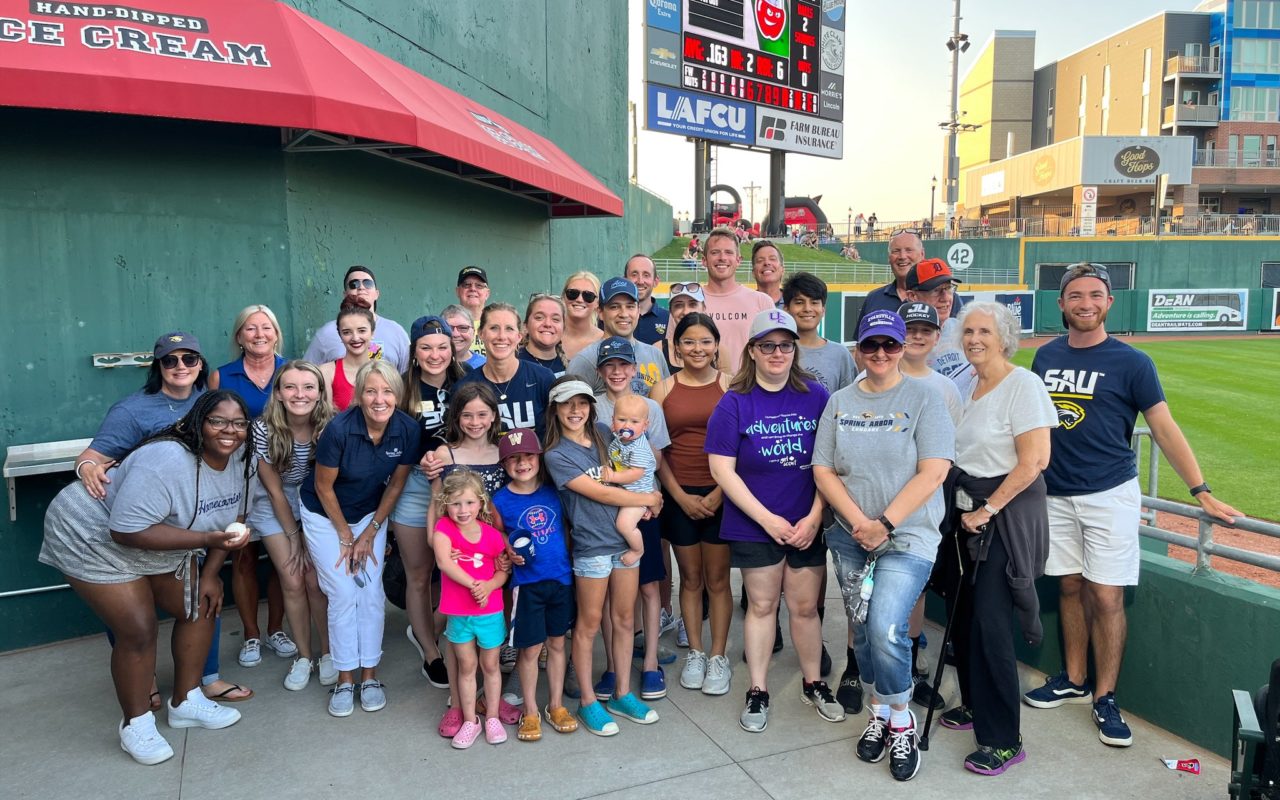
(486, 630)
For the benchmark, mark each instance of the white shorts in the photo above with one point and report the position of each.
(1096, 535)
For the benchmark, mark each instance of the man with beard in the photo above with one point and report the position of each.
(361, 288)
(1099, 386)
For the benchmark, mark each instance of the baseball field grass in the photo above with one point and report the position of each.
(1225, 395)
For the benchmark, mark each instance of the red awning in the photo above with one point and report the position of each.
(261, 62)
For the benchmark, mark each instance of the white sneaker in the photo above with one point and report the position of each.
(198, 711)
(299, 675)
(719, 676)
(282, 644)
(251, 653)
(143, 742)
(327, 671)
(695, 670)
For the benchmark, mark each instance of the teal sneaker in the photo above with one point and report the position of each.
(629, 707)
(597, 720)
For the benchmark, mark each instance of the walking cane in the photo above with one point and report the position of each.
(946, 638)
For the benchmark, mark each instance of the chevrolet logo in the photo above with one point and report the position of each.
(662, 52)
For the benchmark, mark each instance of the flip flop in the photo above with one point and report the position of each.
(225, 696)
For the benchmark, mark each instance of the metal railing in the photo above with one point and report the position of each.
(676, 269)
(1185, 114)
(1202, 543)
(1202, 65)
(1066, 222)
(1236, 159)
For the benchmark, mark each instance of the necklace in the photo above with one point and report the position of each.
(502, 390)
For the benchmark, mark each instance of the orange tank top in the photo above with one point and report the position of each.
(687, 410)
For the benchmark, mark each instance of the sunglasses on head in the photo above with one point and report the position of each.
(360, 283)
(188, 360)
(587, 295)
(889, 346)
(683, 288)
(1089, 271)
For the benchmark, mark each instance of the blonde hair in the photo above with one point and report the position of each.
(589, 277)
(633, 403)
(243, 317)
(385, 370)
(276, 418)
(457, 482)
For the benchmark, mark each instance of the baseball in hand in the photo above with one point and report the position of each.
(240, 530)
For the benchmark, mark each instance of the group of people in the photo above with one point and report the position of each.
(539, 471)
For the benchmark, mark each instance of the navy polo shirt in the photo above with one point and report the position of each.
(651, 328)
(883, 299)
(232, 377)
(363, 468)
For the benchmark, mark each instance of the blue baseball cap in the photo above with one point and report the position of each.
(616, 286)
(423, 326)
(883, 323)
(615, 347)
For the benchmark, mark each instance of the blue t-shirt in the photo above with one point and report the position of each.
(651, 327)
(137, 416)
(772, 435)
(363, 468)
(522, 401)
(540, 514)
(1098, 392)
(233, 378)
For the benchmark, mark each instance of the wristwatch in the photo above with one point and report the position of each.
(373, 523)
(1204, 487)
(888, 526)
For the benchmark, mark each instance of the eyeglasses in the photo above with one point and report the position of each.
(768, 348)
(360, 283)
(188, 360)
(697, 342)
(889, 346)
(587, 295)
(682, 288)
(222, 423)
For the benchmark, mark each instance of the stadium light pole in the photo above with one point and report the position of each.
(957, 44)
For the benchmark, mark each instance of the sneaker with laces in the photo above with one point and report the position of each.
(597, 719)
(959, 718)
(198, 711)
(874, 741)
(494, 733)
(326, 671)
(755, 715)
(666, 621)
(628, 706)
(143, 742)
(281, 644)
(1112, 728)
(994, 760)
(1058, 690)
(299, 674)
(818, 695)
(694, 673)
(653, 684)
(849, 692)
(372, 695)
(719, 676)
(560, 719)
(507, 658)
(682, 633)
(904, 751)
(467, 734)
(342, 700)
(605, 686)
(250, 653)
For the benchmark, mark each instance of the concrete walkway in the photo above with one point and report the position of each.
(59, 741)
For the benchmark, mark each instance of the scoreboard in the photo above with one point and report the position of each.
(765, 72)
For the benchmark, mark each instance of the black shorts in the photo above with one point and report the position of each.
(652, 567)
(541, 610)
(682, 531)
(749, 555)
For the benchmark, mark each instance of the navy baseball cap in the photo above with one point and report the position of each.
(616, 286)
(423, 326)
(883, 323)
(176, 340)
(615, 347)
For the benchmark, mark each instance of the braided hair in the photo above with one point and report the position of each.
(189, 431)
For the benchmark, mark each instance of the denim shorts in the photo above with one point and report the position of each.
(599, 566)
(411, 508)
(486, 630)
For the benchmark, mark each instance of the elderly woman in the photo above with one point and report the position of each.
(759, 446)
(433, 370)
(887, 516)
(256, 338)
(581, 295)
(135, 550)
(463, 325)
(543, 330)
(362, 460)
(1002, 445)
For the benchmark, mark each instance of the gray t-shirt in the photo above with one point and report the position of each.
(873, 442)
(387, 333)
(594, 531)
(831, 364)
(651, 367)
(635, 453)
(157, 484)
(949, 391)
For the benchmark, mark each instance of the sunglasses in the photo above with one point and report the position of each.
(889, 346)
(1090, 271)
(587, 295)
(896, 231)
(768, 348)
(360, 283)
(681, 288)
(222, 423)
(188, 360)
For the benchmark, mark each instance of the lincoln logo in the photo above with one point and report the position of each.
(1137, 162)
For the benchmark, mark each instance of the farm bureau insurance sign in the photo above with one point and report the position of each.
(1197, 309)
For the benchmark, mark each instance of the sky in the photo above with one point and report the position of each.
(897, 90)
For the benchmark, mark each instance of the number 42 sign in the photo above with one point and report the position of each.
(960, 257)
